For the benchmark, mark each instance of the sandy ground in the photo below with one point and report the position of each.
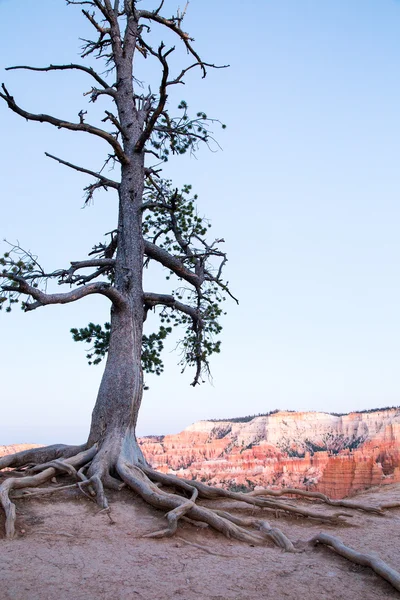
(66, 549)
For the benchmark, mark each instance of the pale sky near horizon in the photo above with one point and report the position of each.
(305, 192)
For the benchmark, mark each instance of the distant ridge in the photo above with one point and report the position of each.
(248, 418)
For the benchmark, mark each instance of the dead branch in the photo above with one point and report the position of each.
(105, 181)
(63, 124)
(176, 28)
(107, 88)
(171, 262)
(162, 56)
(69, 276)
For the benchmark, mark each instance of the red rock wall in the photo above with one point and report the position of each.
(224, 461)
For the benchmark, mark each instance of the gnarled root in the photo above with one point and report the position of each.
(136, 479)
(15, 483)
(214, 493)
(366, 560)
(96, 488)
(275, 534)
(39, 455)
(378, 510)
(173, 517)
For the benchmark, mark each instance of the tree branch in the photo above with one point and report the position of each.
(104, 180)
(111, 17)
(88, 70)
(102, 30)
(152, 299)
(172, 24)
(159, 8)
(61, 124)
(197, 354)
(43, 299)
(103, 264)
(171, 262)
(162, 99)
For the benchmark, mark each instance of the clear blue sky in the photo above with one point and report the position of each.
(305, 192)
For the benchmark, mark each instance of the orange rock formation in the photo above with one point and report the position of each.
(13, 448)
(337, 455)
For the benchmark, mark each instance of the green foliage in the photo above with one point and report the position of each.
(181, 134)
(174, 224)
(196, 345)
(248, 418)
(17, 265)
(98, 336)
(366, 411)
(174, 212)
(152, 345)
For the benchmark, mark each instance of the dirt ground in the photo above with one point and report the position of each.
(66, 549)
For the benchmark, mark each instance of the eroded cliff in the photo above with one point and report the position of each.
(337, 455)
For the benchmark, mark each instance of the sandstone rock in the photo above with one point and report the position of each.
(338, 455)
(13, 448)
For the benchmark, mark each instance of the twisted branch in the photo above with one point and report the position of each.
(62, 124)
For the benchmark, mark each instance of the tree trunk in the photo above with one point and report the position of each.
(115, 413)
(116, 410)
(120, 391)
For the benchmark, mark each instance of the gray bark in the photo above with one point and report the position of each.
(116, 410)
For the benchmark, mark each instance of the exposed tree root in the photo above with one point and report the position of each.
(95, 489)
(378, 510)
(390, 505)
(39, 455)
(195, 523)
(13, 483)
(214, 493)
(366, 560)
(94, 470)
(173, 517)
(58, 464)
(275, 534)
(32, 492)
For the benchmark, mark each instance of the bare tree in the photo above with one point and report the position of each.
(156, 223)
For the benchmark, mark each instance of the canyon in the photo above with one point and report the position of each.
(337, 455)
